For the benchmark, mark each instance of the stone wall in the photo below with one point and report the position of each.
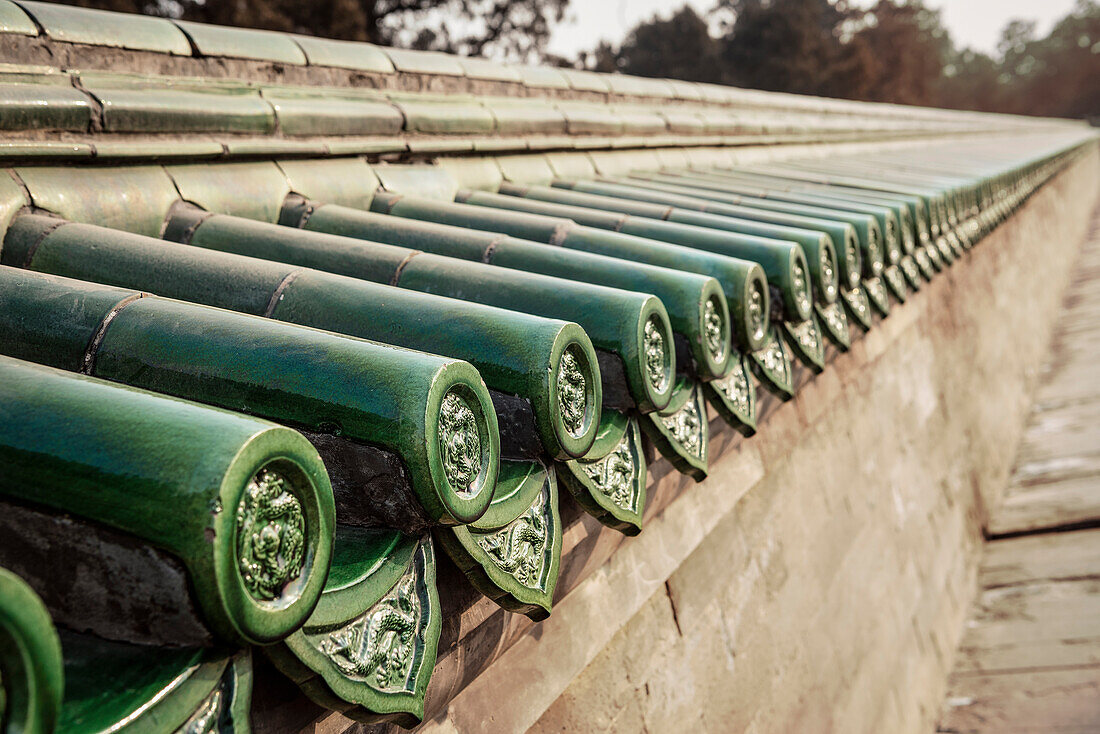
(818, 580)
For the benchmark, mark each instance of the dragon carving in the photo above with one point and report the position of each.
(614, 475)
(270, 536)
(517, 548)
(379, 644)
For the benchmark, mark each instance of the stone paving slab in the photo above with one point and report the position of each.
(1029, 660)
(1056, 482)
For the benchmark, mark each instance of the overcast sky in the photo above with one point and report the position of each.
(973, 23)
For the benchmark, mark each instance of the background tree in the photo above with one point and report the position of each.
(680, 47)
(908, 48)
(514, 29)
(894, 51)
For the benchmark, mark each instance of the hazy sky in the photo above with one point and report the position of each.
(973, 23)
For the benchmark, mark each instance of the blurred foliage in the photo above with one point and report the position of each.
(894, 51)
(514, 29)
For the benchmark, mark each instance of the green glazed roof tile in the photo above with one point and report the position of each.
(473, 173)
(672, 158)
(588, 81)
(619, 163)
(549, 142)
(475, 67)
(584, 118)
(482, 549)
(17, 149)
(242, 43)
(525, 115)
(456, 144)
(43, 107)
(132, 198)
(591, 142)
(637, 86)
(158, 149)
(313, 112)
(162, 104)
(639, 120)
(526, 169)
(112, 686)
(571, 165)
(682, 119)
(433, 114)
(345, 181)
(423, 62)
(102, 28)
(274, 146)
(495, 145)
(12, 199)
(344, 54)
(632, 141)
(423, 181)
(685, 90)
(356, 146)
(14, 20)
(253, 190)
(375, 585)
(542, 77)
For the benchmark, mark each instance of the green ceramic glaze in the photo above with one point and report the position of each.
(136, 689)
(614, 319)
(245, 505)
(833, 322)
(877, 294)
(365, 392)
(794, 202)
(772, 364)
(737, 237)
(520, 355)
(568, 234)
(512, 554)
(31, 676)
(862, 200)
(684, 294)
(858, 307)
(734, 397)
(652, 220)
(681, 432)
(611, 486)
(863, 230)
(807, 342)
(369, 648)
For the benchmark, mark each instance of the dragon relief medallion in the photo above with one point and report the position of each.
(712, 330)
(857, 301)
(572, 394)
(460, 441)
(834, 318)
(656, 356)
(735, 387)
(270, 536)
(774, 361)
(686, 427)
(828, 272)
(801, 286)
(517, 549)
(876, 290)
(614, 474)
(808, 337)
(756, 313)
(379, 647)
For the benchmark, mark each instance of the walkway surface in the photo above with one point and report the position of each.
(1030, 658)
